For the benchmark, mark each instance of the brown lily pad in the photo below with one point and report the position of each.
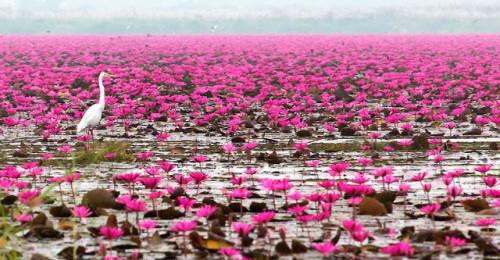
(67, 253)
(282, 248)
(136, 240)
(475, 205)
(298, 247)
(37, 256)
(129, 229)
(61, 211)
(9, 199)
(112, 221)
(304, 133)
(257, 207)
(40, 219)
(490, 212)
(66, 225)
(98, 198)
(156, 239)
(169, 213)
(273, 158)
(201, 243)
(45, 231)
(371, 206)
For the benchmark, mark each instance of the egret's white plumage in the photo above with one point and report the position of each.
(93, 115)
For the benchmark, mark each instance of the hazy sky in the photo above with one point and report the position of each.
(397, 16)
(130, 6)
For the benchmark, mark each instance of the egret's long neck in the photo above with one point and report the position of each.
(101, 88)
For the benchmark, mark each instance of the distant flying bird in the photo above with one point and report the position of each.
(93, 115)
(214, 27)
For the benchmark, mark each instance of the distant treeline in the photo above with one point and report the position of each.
(375, 24)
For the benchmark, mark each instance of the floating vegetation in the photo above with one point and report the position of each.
(250, 147)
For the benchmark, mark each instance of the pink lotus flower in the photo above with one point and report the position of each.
(136, 205)
(155, 194)
(295, 196)
(205, 211)
(199, 158)
(84, 138)
(124, 199)
(238, 180)
(47, 156)
(263, 217)
(483, 169)
(449, 125)
(198, 178)
(352, 225)
(355, 200)
(365, 147)
(297, 209)
(400, 249)
(65, 149)
(182, 180)
(242, 229)
(405, 142)
(338, 168)
(72, 177)
(183, 226)
(326, 248)
(329, 128)
(301, 146)
(81, 212)
(251, 172)
(360, 235)
(229, 148)
(313, 163)
(23, 218)
(30, 198)
(447, 181)
(486, 222)
(186, 203)
(111, 232)
(109, 156)
(389, 148)
(427, 187)
(330, 197)
(407, 127)
(144, 156)
(496, 203)
(147, 224)
(229, 252)
(365, 161)
(166, 166)
(327, 184)
(419, 177)
(151, 183)
(249, 146)
(454, 191)
(152, 171)
(430, 210)
(454, 241)
(129, 177)
(435, 141)
(242, 193)
(6, 183)
(162, 137)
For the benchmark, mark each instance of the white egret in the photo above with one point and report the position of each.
(93, 115)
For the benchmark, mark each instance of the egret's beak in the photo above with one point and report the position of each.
(112, 76)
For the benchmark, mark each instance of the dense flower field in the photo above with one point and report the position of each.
(251, 146)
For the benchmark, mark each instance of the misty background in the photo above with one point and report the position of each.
(248, 16)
